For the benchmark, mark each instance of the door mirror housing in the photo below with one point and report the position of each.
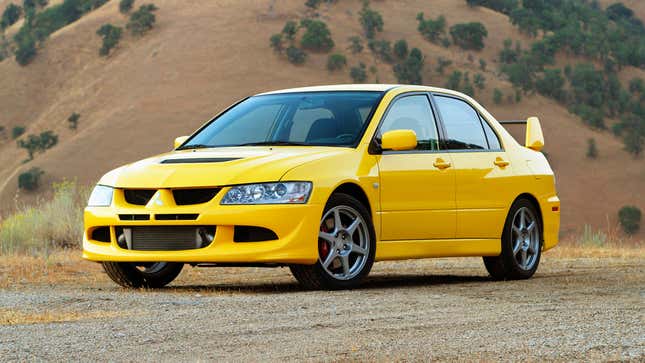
(534, 137)
(399, 140)
(180, 140)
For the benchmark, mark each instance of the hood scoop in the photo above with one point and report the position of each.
(196, 160)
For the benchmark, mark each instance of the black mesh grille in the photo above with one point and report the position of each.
(194, 196)
(176, 217)
(170, 238)
(138, 196)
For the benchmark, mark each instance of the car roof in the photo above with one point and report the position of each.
(359, 87)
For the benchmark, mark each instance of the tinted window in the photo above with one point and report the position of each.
(308, 118)
(413, 113)
(493, 141)
(462, 124)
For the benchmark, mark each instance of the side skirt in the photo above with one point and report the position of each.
(401, 250)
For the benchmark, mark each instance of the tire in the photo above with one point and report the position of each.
(138, 275)
(346, 254)
(521, 244)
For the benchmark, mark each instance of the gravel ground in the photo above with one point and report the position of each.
(585, 309)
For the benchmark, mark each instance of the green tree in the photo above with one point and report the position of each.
(498, 96)
(26, 49)
(336, 61)
(38, 143)
(17, 131)
(30, 180)
(276, 42)
(442, 63)
(355, 44)
(482, 64)
(296, 55)
(317, 35)
(313, 4)
(630, 218)
(410, 70)
(290, 29)
(479, 81)
(10, 15)
(432, 30)
(358, 73)
(125, 6)
(142, 20)
(454, 80)
(371, 20)
(401, 48)
(469, 35)
(592, 150)
(111, 36)
(551, 84)
(382, 48)
(72, 120)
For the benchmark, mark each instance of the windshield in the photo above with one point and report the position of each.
(312, 118)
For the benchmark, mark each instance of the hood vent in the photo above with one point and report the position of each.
(196, 160)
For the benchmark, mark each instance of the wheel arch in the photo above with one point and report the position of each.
(355, 191)
(533, 200)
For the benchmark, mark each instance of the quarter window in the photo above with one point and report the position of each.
(413, 113)
(463, 126)
(493, 141)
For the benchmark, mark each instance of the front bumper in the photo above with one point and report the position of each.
(296, 227)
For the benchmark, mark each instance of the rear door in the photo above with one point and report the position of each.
(417, 186)
(483, 171)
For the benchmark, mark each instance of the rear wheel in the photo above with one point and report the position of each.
(136, 275)
(346, 246)
(521, 244)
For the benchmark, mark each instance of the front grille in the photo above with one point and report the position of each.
(176, 217)
(164, 238)
(138, 196)
(194, 196)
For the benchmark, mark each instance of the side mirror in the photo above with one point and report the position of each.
(534, 137)
(180, 140)
(399, 140)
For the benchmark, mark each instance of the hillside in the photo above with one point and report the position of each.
(203, 55)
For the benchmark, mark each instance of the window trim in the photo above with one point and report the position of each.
(375, 147)
(481, 119)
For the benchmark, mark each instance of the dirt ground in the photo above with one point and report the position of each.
(574, 309)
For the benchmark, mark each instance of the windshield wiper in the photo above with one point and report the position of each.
(275, 143)
(195, 146)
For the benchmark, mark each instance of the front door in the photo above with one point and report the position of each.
(417, 187)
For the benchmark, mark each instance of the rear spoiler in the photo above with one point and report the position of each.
(534, 137)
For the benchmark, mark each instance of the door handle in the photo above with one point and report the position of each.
(501, 162)
(441, 164)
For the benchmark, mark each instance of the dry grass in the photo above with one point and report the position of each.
(15, 317)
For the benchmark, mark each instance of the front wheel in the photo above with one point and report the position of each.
(148, 275)
(346, 246)
(521, 244)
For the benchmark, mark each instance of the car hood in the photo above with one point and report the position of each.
(216, 167)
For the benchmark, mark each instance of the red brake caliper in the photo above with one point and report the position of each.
(323, 245)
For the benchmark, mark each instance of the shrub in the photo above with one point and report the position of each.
(498, 96)
(442, 64)
(469, 35)
(503, 6)
(382, 49)
(509, 55)
(10, 15)
(358, 73)
(355, 44)
(26, 49)
(480, 81)
(410, 70)
(551, 84)
(592, 150)
(290, 29)
(296, 55)
(73, 120)
(142, 20)
(482, 64)
(637, 85)
(336, 61)
(30, 179)
(630, 218)
(111, 35)
(38, 143)
(125, 6)
(401, 49)
(313, 4)
(371, 20)
(49, 224)
(17, 131)
(276, 42)
(432, 30)
(317, 35)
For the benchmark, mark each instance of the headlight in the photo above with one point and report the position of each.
(269, 193)
(101, 196)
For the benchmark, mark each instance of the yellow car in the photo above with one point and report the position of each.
(327, 180)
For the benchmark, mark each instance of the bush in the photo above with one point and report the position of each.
(290, 29)
(592, 150)
(30, 179)
(317, 36)
(49, 224)
(498, 96)
(454, 80)
(371, 20)
(401, 49)
(482, 64)
(409, 72)
(296, 55)
(125, 6)
(17, 131)
(480, 81)
(355, 44)
(469, 35)
(503, 6)
(630, 219)
(142, 20)
(111, 35)
(10, 15)
(336, 61)
(313, 4)
(38, 143)
(442, 64)
(358, 73)
(432, 30)
(26, 49)
(73, 120)
(276, 42)
(551, 84)
(382, 49)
